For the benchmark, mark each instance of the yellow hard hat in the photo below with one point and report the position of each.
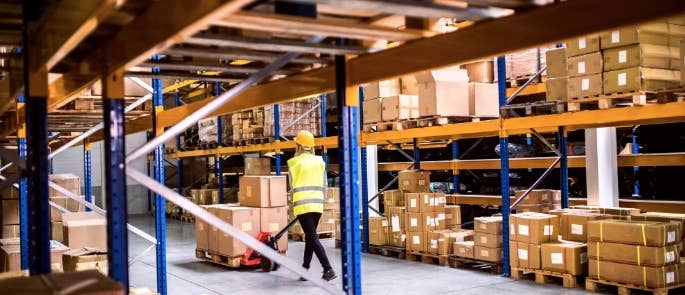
(305, 139)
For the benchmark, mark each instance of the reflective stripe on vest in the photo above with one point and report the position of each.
(308, 201)
(309, 188)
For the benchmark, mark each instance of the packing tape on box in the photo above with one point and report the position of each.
(639, 261)
(597, 246)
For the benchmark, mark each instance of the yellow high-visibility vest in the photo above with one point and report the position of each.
(307, 180)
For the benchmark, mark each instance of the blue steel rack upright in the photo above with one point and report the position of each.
(218, 160)
(23, 194)
(160, 202)
(364, 180)
(504, 170)
(88, 171)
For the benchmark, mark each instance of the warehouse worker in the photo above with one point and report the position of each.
(308, 182)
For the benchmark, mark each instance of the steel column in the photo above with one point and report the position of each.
(219, 161)
(179, 164)
(87, 171)
(636, 170)
(148, 135)
(365, 180)
(349, 178)
(23, 194)
(160, 203)
(115, 176)
(563, 166)
(322, 104)
(277, 136)
(417, 154)
(504, 170)
(52, 163)
(455, 175)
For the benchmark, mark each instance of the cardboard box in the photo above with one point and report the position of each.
(488, 240)
(397, 239)
(10, 231)
(378, 231)
(444, 92)
(396, 216)
(487, 254)
(10, 211)
(657, 33)
(327, 220)
(582, 45)
(574, 225)
(464, 249)
(332, 199)
(585, 86)
(372, 110)
(69, 182)
(399, 107)
(414, 181)
(481, 71)
(541, 208)
(557, 89)
(488, 225)
(262, 191)
(57, 231)
(536, 197)
(485, 100)
(556, 63)
(275, 219)
(609, 210)
(642, 55)
(85, 229)
(416, 241)
(644, 233)
(257, 166)
(534, 228)
(640, 79)
(393, 198)
(584, 65)
(651, 277)
(631, 254)
(9, 192)
(10, 258)
(424, 222)
(524, 255)
(244, 218)
(382, 88)
(409, 85)
(664, 217)
(452, 215)
(440, 241)
(63, 283)
(84, 259)
(425, 202)
(569, 258)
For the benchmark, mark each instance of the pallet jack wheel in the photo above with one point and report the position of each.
(266, 264)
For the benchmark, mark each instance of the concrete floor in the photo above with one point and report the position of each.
(381, 275)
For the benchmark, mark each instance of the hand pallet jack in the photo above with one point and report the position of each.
(254, 258)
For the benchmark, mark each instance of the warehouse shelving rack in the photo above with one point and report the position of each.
(549, 23)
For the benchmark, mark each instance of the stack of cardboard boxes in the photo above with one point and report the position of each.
(329, 223)
(584, 64)
(302, 114)
(395, 212)
(425, 211)
(487, 239)
(390, 100)
(71, 183)
(525, 63)
(527, 233)
(541, 200)
(9, 213)
(246, 124)
(557, 75)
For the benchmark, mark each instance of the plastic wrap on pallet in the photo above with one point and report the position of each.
(207, 130)
(526, 62)
(303, 114)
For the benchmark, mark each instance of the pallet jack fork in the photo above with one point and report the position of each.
(253, 258)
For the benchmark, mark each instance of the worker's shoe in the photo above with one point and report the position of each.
(329, 275)
(302, 279)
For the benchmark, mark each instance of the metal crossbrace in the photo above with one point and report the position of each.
(399, 149)
(141, 254)
(473, 146)
(530, 80)
(3, 168)
(537, 182)
(382, 190)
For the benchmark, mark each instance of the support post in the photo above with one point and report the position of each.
(179, 164)
(218, 161)
(365, 180)
(455, 175)
(563, 166)
(277, 136)
(504, 170)
(160, 202)
(148, 136)
(636, 170)
(417, 154)
(348, 147)
(324, 133)
(601, 168)
(115, 176)
(87, 171)
(23, 193)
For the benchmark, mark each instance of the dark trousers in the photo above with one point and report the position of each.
(309, 222)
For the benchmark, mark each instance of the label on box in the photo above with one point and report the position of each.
(384, 222)
(622, 56)
(615, 36)
(395, 223)
(434, 244)
(403, 237)
(583, 258)
(484, 253)
(576, 229)
(484, 239)
(581, 67)
(412, 203)
(248, 191)
(413, 222)
(523, 230)
(274, 227)
(416, 240)
(669, 257)
(426, 199)
(441, 216)
(432, 202)
(422, 182)
(512, 228)
(201, 225)
(585, 84)
(582, 43)
(430, 221)
(557, 258)
(547, 230)
(670, 277)
(523, 254)
(671, 237)
(483, 226)
(622, 79)
(442, 200)
(246, 226)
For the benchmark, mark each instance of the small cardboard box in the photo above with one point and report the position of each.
(381, 88)
(643, 233)
(243, 218)
(63, 283)
(396, 217)
(440, 241)
(650, 277)
(640, 79)
(57, 231)
(481, 71)
(397, 239)
(557, 89)
(485, 99)
(85, 229)
(275, 219)
(10, 211)
(534, 228)
(556, 63)
(574, 225)
(585, 86)
(399, 107)
(378, 231)
(452, 215)
(372, 110)
(414, 181)
(585, 65)
(262, 191)
(642, 55)
(582, 45)
(84, 259)
(10, 231)
(416, 203)
(416, 241)
(524, 255)
(257, 166)
(464, 249)
(393, 198)
(487, 254)
(487, 240)
(488, 225)
(631, 254)
(409, 85)
(568, 258)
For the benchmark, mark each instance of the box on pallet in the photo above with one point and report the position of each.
(378, 231)
(525, 63)
(10, 255)
(644, 233)
(618, 211)
(632, 254)
(582, 45)
(452, 216)
(484, 97)
(642, 55)
(444, 92)
(244, 218)
(381, 88)
(569, 258)
(640, 79)
(657, 33)
(372, 110)
(525, 255)
(273, 220)
(557, 89)
(533, 228)
(393, 198)
(664, 217)
(409, 85)
(425, 202)
(651, 277)
(332, 201)
(556, 63)
(463, 249)
(585, 86)
(574, 225)
(84, 259)
(85, 229)
(488, 225)
(440, 241)
(425, 221)
(414, 181)
(416, 241)
(584, 65)
(488, 240)
(399, 107)
(481, 71)
(262, 191)
(487, 254)
(257, 166)
(396, 217)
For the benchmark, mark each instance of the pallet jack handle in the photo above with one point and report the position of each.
(285, 229)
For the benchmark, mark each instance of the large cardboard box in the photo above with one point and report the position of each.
(416, 203)
(535, 197)
(487, 254)
(70, 182)
(574, 225)
(644, 233)
(381, 89)
(452, 215)
(396, 216)
(585, 86)
(640, 79)
(372, 110)
(399, 107)
(444, 92)
(584, 65)
(557, 89)
(534, 228)
(414, 181)
(675, 218)
(569, 258)
(540, 208)
(651, 277)
(275, 219)
(243, 218)
(378, 231)
(416, 241)
(582, 45)
(487, 240)
(524, 255)
(481, 71)
(397, 239)
(657, 33)
(84, 259)
(262, 191)
(464, 249)
(631, 254)
(63, 283)
(85, 229)
(409, 85)
(642, 55)
(424, 222)
(10, 211)
(556, 63)
(393, 198)
(10, 231)
(257, 166)
(488, 225)
(485, 99)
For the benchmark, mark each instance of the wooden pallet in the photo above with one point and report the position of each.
(187, 218)
(442, 260)
(608, 101)
(250, 141)
(233, 262)
(383, 126)
(594, 285)
(301, 236)
(208, 145)
(470, 263)
(388, 251)
(418, 123)
(533, 109)
(545, 276)
(520, 80)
